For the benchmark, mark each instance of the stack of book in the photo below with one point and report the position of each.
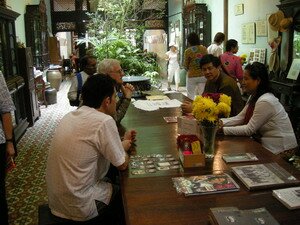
(262, 176)
(205, 184)
(290, 197)
(234, 216)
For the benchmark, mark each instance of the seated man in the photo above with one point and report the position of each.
(85, 142)
(113, 68)
(218, 82)
(88, 66)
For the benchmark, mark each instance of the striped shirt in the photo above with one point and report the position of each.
(6, 104)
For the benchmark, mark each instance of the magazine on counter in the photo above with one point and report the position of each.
(170, 119)
(234, 216)
(260, 176)
(290, 197)
(239, 157)
(205, 184)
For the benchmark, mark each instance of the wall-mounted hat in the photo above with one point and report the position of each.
(275, 19)
(285, 24)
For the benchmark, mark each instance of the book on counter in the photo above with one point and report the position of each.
(170, 119)
(290, 197)
(234, 216)
(261, 176)
(239, 157)
(205, 184)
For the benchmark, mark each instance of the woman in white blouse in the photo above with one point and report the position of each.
(263, 116)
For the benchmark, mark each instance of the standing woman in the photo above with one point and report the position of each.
(232, 63)
(263, 117)
(195, 81)
(173, 66)
(216, 48)
(6, 143)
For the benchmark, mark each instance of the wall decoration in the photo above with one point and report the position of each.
(248, 33)
(261, 28)
(271, 33)
(258, 55)
(294, 70)
(239, 9)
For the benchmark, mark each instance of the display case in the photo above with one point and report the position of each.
(8, 66)
(196, 18)
(287, 90)
(25, 60)
(37, 34)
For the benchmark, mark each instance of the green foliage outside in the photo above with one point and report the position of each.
(112, 29)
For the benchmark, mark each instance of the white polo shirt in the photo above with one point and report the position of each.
(84, 144)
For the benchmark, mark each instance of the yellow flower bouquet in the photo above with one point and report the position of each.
(207, 109)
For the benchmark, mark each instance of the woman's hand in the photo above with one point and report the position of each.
(187, 107)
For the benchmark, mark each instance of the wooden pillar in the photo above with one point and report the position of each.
(226, 19)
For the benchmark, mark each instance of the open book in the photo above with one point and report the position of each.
(290, 197)
(205, 184)
(260, 176)
(234, 216)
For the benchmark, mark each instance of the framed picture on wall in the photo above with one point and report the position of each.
(261, 28)
(248, 33)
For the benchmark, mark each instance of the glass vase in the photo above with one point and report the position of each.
(209, 136)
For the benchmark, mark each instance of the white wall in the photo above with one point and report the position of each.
(253, 10)
(19, 6)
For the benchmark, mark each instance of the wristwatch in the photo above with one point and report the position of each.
(10, 140)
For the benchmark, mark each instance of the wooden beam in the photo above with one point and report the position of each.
(226, 19)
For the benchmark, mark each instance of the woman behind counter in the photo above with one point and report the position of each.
(263, 116)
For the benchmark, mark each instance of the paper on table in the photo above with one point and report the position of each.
(157, 97)
(155, 105)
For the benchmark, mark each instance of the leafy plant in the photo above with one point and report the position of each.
(116, 31)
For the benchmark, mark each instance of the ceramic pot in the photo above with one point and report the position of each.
(54, 77)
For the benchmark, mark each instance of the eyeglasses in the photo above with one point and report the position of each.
(120, 71)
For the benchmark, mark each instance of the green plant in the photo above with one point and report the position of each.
(116, 31)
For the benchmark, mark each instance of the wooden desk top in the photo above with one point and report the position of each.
(152, 199)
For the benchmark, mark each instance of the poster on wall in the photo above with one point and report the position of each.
(248, 33)
(294, 70)
(261, 28)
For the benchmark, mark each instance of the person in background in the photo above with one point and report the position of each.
(113, 68)
(195, 81)
(263, 116)
(6, 143)
(216, 48)
(218, 82)
(232, 63)
(88, 66)
(173, 66)
(85, 142)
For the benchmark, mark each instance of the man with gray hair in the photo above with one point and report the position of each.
(113, 68)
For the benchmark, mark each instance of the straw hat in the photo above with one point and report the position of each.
(275, 19)
(285, 24)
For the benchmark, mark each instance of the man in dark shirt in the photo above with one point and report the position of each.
(218, 82)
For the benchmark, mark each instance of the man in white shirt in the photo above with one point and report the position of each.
(86, 141)
(88, 66)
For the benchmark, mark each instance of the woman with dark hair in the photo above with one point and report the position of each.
(230, 62)
(263, 116)
(195, 81)
(216, 48)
